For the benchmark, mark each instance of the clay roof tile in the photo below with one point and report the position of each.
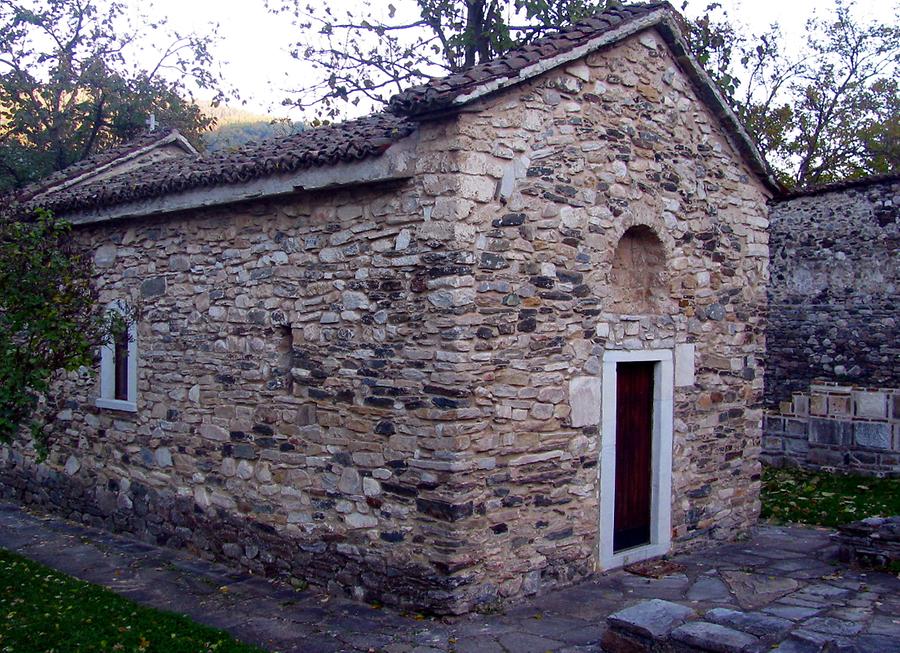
(349, 141)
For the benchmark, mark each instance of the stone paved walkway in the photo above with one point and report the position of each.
(779, 571)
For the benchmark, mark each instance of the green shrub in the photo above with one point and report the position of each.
(49, 318)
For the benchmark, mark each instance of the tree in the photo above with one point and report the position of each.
(846, 109)
(69, 87)
(49, 319)
(825, 113)
(371, 51)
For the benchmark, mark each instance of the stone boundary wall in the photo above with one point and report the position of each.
(836, 427)
(871, 542)
(835, 277)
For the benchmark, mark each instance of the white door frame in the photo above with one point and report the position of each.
(661, 457)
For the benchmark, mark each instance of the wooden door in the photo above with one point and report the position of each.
(634, 441)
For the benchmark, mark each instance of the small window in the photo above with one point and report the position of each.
(120, 362)
(118, 367)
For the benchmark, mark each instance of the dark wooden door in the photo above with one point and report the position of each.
(634, 424)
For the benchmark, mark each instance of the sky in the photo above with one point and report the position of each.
(254, 48)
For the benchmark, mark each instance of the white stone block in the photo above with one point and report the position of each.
(245, 470)
(684, 364)
(350, 481)
(451, 298)
(213, 432)
(164, 457)
(648, 41)
(371, 487)
(353, 300)
(201, 498)
(105, 256)
(584, 398)
(402, 241)
(871, 405)
(356, 520)
(580, 70)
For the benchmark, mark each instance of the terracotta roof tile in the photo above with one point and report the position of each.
(91, 163)
(323, 146)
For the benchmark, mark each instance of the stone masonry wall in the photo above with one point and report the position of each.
(833, 297)
(293, 414)
(580, 156)
(395, 389)
(836, 427)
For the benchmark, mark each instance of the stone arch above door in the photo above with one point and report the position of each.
(638, 277)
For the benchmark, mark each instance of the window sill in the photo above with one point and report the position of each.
(117, 404)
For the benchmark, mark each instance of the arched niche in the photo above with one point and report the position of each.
(638, 275)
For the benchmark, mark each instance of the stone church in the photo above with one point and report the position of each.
(500, 337)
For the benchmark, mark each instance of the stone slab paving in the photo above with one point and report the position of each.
(780, 588)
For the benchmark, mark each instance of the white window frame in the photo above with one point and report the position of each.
(107, 398)
(661, 457)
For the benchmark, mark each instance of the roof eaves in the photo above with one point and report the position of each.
(321, 148)
(396, 162)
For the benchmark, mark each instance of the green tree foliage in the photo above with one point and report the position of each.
(825, 113)
(49, 319)
(368, 50)
(70, 87)
(235, 134)
(236, 127)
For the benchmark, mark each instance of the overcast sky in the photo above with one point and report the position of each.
(254, 46)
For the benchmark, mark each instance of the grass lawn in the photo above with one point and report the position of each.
(43, 610)
(799, 496)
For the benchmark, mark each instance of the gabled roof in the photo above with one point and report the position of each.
(320, 147)
(522, 63)
(83, 171)
(612, 26)
(241, 174)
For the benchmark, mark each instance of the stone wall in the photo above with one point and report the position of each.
(395, 389)
(836, 427)
(290, 391)
(871, 542)
(611, 147)
(833, 296)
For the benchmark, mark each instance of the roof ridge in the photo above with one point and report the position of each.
(371, 135)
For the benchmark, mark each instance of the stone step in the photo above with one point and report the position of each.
(706, 636)
(657, 626)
